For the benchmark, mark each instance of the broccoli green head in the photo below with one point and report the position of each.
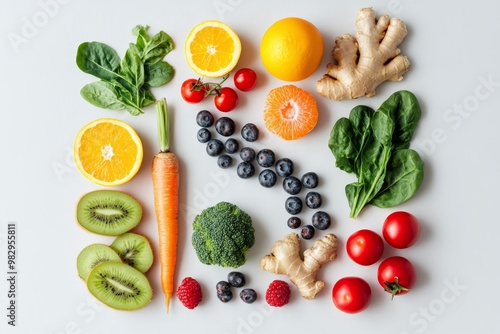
(222, 235)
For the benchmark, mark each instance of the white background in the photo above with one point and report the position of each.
(454, 52)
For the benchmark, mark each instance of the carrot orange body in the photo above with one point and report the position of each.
(165, 174)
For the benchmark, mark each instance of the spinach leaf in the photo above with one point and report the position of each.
(158, 74)
(98, 59)
(374, 146)
(102, 94)
(403, 107)
(404, 176)
(125, 82)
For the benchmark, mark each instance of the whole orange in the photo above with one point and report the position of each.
(291, 49)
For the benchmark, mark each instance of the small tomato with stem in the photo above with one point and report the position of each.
(226, 99)
(396, 275)
(193, 90)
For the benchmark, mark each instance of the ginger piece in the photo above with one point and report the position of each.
(285, 259)
(363, 62)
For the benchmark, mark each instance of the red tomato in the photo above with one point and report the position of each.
(365, 247)
(192, 94)
(397, 275)
(401, 229)
(226, 100)
(245, 79)
(351, 294)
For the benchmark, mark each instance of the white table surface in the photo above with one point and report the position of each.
(454, 52)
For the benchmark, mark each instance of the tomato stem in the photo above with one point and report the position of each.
(394, 287)
(212, 88)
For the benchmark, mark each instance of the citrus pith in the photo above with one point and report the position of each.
(212, 49)
(108, 151)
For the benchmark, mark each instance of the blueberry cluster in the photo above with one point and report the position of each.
(235, 279)
(271, 169)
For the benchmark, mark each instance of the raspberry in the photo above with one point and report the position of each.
(278, 293)
(189, 293)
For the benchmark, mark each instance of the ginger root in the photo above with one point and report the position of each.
(285, 259)
(363, 62)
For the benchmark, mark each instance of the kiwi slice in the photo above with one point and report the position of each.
(108, 212)
(119, 286)
(134, 250)
(91, 256)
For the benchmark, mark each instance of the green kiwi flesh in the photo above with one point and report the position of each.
(119, 286)
(108, 212)
(93, 255)
(134, 250)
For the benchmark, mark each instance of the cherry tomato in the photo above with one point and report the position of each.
(365, 247)
(226, 100)
(396, 275)
(401, 229)
(191, 94)
(245, 79)
(351, 294)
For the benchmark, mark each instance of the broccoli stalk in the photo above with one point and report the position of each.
(222, 235)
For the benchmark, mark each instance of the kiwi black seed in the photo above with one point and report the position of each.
(93, 255)
(119, 286)
(108, 212)
(135, 250)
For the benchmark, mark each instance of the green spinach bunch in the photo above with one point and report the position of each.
(374, 145)
(125, 83)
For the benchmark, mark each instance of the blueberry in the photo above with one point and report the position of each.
(284, 167)
(313, 200)
(214, 147)
(321, 220)
(249, 132)
(224, 292)
(310, 180)
(224, 161)
(307, 232)
(245, 170)
(248, 295)
(247, 154)
(294, 222)
(266, 158)
(267, 178)
(204, 135)
(236, 279)
(204, 119)
(225, 126)
(293, 205)
(231, 146)
(292, 185)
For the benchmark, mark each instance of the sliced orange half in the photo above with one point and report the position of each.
(290, 112)
(108, 151)
(212, 49)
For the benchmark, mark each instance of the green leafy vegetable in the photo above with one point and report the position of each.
(374, 146)
(125, 82)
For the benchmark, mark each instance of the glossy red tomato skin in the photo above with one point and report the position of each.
(191, 95)
(365, 247)
(401, 229)
(245, 79)
(351, 294)
(400, 268)
(226, 100)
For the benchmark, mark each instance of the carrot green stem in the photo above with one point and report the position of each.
(163, 125)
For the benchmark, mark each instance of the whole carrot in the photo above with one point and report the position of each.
(165, 174)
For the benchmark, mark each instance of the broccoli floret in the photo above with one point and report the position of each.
(222, 235)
